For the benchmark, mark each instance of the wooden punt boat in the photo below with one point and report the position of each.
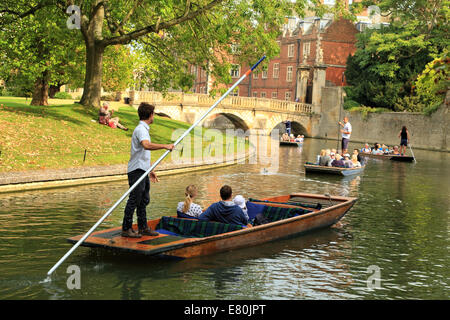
(392, 157)
(291, 144)
(317, 211)
(312, 168)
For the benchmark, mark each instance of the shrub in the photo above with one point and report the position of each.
(63, 95)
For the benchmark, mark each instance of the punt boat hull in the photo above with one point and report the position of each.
(333, 209)
(310, 168)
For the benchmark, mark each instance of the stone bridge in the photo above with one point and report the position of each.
(243, 112)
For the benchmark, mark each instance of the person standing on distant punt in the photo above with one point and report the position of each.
(346, 132)
(404, 140)
(139, 163)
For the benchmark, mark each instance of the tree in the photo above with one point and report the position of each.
(171, 33)
(37, 51)
(385, 66)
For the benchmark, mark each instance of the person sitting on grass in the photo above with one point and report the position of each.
(104, 117)
(225, 211)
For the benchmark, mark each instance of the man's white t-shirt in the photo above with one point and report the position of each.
(347, 128)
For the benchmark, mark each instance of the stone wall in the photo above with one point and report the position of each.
(427, 132)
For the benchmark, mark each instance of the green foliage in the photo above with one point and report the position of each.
(63, 95)
(118, 66)
(433, 83)
(384, 67)
(38, 47)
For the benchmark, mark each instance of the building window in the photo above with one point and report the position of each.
(264, 74)
(274, 95)
(263, 94)
(290, 51)
(287, 96)
(276, 70)
(289, 73)
(235, 92)
(306, 48)
(194, 70)
(255, 75)
(255, 94)
(235, 70)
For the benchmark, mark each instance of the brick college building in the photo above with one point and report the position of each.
(312, 51)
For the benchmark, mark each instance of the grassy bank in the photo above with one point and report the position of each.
(56, 136)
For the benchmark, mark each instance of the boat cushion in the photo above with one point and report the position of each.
(278, 213)
(185, 216)
(253, 209)
(195, 228)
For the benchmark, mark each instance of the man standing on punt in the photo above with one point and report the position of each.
(346, 132)
(139, 163)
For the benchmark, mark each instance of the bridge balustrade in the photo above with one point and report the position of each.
(230, 101)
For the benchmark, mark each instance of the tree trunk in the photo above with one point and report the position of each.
(40, 92)
(92, 34)
(93, 79)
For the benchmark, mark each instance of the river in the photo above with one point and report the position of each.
(397, 232)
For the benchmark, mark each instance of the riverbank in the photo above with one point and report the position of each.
(65, 135)
(63, 145)
(60, 178)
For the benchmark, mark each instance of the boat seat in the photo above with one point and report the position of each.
(194, 228)
(277, 213)
(253, 209)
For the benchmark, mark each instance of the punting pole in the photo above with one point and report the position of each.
(76, 245)
(412, 153)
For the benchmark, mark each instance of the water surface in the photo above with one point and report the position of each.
(400, 225)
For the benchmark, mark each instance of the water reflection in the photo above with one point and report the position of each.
(400, 223)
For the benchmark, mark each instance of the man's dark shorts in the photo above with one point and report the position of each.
(345, 143)
(404, 142)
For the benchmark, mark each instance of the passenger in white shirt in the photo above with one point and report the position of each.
(188, 206)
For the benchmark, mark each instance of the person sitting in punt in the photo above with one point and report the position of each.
(377, 149)
(358, 156)
(240, 201)
(323, 161)
(385, 149)
(332, 158)
(395, 151)
(347, 162)
(225, 211)
(366, 148)
(299, 139)
(356, 163)
(320, 155)
(187, 208)
(338, 162)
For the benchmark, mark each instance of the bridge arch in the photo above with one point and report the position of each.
(296, 128)
(221, 117)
